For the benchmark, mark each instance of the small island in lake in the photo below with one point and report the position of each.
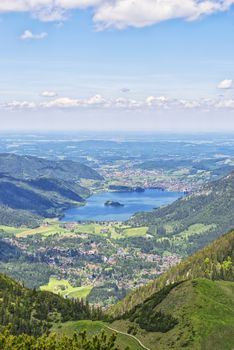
(113, 204)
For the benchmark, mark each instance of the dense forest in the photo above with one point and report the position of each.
(33, 312)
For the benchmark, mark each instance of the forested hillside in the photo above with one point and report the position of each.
(33, 188)
(193, 221)
(213, 262)
(33, 312)
(189, 307)
(196, 314)
(29, 167)
(17, 217)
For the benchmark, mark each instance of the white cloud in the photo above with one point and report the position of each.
(17, 105)
(119, 13)
(225, 84)
(157, 103)
(63, 102)
(48, 94)
(226, 104)
(28, 35)
(95, 100)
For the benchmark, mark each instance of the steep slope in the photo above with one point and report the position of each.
(193, 315)
(213, 262)
(32, 188)
(12, 217)
(197, 218)
(189, 307)
(33, 312)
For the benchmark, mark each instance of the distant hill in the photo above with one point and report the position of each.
(193, 221)
(191, 306)
(216, 166)
(28, 167)
(33, 188)
(14, 217)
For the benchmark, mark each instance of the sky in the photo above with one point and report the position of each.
(129, 65)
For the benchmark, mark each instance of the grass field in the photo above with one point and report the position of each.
(101, 230)
(45, 230)
(52, 227)
(135, 232)
(196, 229)
(12, 230)
(115, 231)
(94, 328)
(64, 288)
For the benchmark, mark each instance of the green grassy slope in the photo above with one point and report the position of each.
(64, 288)
(94, 328)
(204, 314)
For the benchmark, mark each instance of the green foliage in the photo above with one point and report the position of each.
(33, 312)
(148, 317)
(64, 288)
(193, 221)
(95, 328)
(16, 217)
(213, 262)
(76, 342)
(203, 311)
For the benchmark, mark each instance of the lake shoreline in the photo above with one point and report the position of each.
(94, 209)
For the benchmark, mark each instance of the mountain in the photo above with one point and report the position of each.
(12, 217)
(33, 188)
(194, 315)
(191, 306)
(29, 167)
(33, 312)
(193, 221)
(27, 317)
(215, 261)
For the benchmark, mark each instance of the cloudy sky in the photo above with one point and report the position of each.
(117, 65)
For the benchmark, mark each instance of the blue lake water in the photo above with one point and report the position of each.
(133, 202)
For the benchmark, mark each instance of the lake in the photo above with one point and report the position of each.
(95, 209)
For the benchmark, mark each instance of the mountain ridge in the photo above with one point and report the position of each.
(215, 261)
(33, 188)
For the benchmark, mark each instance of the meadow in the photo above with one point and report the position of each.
(64, 288)
(53, 227)
(94, 327)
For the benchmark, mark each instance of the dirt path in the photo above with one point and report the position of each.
(129, 335)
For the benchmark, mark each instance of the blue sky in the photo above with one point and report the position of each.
(96, 67)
